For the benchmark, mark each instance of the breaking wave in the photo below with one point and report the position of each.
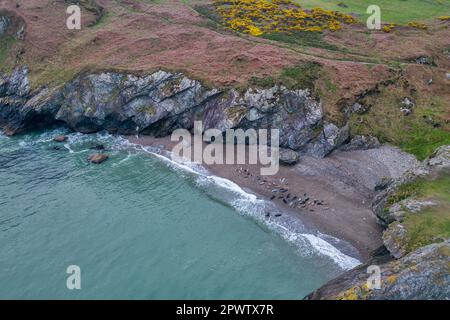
(307, 242)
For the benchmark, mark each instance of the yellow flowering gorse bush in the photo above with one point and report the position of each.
(257, 17)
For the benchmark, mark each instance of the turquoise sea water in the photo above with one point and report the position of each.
(140, 227)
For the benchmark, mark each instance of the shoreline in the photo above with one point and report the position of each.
(337, 200)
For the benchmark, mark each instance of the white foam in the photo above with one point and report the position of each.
(344, 261)
(243, 202)
(249, 204)
(128, 157)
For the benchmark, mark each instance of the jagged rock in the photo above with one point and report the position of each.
(395, 239)
(422, 274)
(98, 158)
(407, 106)
(161, 102)
(4, 24)
(16, 85)
(127, 104)
(288, 157)
(407, 103)
(20, 34)
(293, 112)
(331, 138)
(425, 60)
(440, 159)
(60, 138)
(361, 143)
(400, 209)
(379, 207)
(225, 112)
(18, 109)
(447, 76)
(358, 108)
(19, 112)
(383, 183)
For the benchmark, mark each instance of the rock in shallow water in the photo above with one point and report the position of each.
(98, 158)
(98, 147)
(60, 138)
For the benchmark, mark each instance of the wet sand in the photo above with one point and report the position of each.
(333, 194)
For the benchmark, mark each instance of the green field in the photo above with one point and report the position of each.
(392, 11)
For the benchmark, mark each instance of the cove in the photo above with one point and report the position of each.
(137, 227)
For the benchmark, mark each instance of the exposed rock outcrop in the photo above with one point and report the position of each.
(4, 24)
(361, 143)
(438, 161)
(98, 158)
(161, 102)
(395, 239)
(422, 274)
(288, 157)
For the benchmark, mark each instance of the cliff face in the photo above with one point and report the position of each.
(161, 102)
(423, 274)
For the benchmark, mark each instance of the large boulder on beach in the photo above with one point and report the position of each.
(288, 157)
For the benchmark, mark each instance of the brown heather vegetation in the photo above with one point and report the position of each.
(141, 36)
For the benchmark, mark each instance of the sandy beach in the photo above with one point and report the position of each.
(332, 194)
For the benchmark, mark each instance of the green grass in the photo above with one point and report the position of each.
(433, 223)
(6, 42)
(426, 227)
(51, 76)
(300, 76)
(408, 190)
(396, 11)
(302, 38)
(419, 133)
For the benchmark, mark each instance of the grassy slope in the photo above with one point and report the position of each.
(414, 133)
(420, 132)
(433, 223)
(396, 11)
(6, 42)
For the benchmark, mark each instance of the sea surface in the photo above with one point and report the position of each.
(139, 226)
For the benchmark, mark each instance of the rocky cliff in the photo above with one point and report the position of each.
(423, 274)
(414, 262)
(161, 102)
